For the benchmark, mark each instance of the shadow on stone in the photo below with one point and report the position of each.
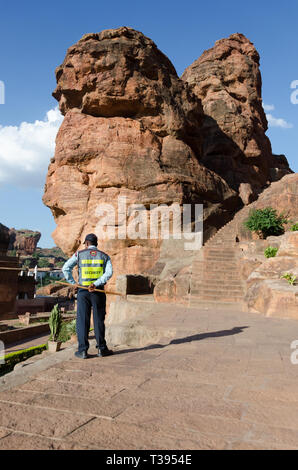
(198, 337)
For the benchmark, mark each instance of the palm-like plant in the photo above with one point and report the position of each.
(55, 322)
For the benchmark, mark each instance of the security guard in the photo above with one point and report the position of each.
(95, 269)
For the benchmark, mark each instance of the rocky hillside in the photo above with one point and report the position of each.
(23, 241)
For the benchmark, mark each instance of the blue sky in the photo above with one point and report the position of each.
(34, 37)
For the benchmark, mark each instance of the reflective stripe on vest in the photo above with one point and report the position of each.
(91, 265)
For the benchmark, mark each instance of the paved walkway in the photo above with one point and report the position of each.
(225, 381)
(27, 343)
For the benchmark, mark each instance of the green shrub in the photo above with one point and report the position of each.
(270, 252)
(27, 263)
(72, 327)
(64, 334)
(266, 222)
(291, 278)
(294, 228)
(59, 264)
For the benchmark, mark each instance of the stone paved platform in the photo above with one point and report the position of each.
(225, 381)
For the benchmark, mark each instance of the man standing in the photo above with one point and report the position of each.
(95, 269)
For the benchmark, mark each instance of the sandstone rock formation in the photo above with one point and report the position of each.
(228, 81)
(56, 290)
(23, 241)
(131, 128)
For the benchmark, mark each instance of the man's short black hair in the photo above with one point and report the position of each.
(92, 238)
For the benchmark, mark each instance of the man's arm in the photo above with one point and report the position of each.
(106, 276)
(68, 267)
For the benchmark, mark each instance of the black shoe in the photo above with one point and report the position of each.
(81, 355)
(104, 352)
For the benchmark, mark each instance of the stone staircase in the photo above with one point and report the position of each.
(215, 273)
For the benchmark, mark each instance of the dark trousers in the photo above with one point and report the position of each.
(85, 301)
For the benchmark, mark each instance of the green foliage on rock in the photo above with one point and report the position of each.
(291, 278)
(294, 228)
(266, 222)
(270, 252)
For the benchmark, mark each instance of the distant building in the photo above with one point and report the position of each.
(26, 285)
(41, 273)
(54, 273)
(57, 273)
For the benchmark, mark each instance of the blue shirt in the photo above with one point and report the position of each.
(73, 261)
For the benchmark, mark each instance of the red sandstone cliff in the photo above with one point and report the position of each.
(227, 80)
(132, 128)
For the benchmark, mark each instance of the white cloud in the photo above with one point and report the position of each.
(278, 122)
(268, 107)
(25, 150)
(273, 121)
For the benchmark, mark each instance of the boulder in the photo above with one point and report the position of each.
(274, 268)
(288, 245)
(228, 81)
(56, 290)
(131, 131)
(266, 291)
(174, 288)
(274, 298)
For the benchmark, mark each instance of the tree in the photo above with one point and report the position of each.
(43, 263)
(27, 263)
(59, 264)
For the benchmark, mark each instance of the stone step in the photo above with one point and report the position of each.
(140, 298)
(217, 298)
(221, 246)
(220, 277)
(196, 302)
(222, 243)
(226, 262)
(220, 252)
(218, 272)
(217, 292)
(218, 267)
(223, 283)
(222, 259)
(217, 281)
(229, 242)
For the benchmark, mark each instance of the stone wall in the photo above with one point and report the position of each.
(8, 277)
